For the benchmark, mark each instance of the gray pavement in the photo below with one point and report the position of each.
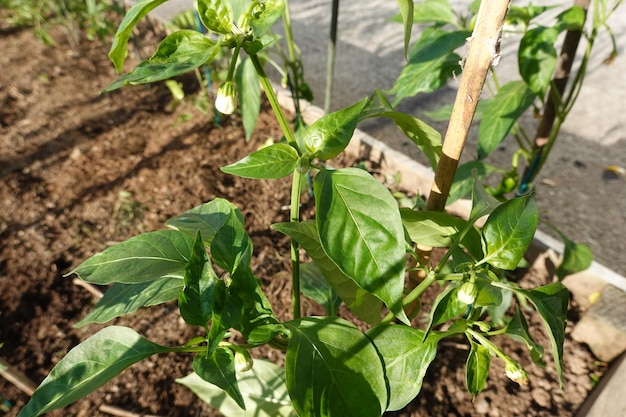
(572, 192)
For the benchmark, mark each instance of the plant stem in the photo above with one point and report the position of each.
(271, 96)
(413, 295)
(291, 63)
(294, 217)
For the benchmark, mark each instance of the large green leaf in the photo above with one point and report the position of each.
(216, 15)
(263, 390)
(208, 218)
(249, 90)
(265, 15)
(446, 306)
(432, 62)
(406, 358)
(314, 285)
(88, 366)
(361, 230)
(274, 161)
(117, 53)
(219, 370)
(330, 134)
(537, 58)
(142, 258)
(178, 53)
(431, 228)
(477, 368)
(501, 114)
(359, 301)
(121, 299)
(196, 297)
(508, 231)
(551, 302)
(406, 11)
(333, 370)
(517, 328)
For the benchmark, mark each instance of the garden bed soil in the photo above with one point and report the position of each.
(80, 171)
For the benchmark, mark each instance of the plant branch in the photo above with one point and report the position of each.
(330, 65)
(295, 249)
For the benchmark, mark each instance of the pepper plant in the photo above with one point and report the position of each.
(358, 244)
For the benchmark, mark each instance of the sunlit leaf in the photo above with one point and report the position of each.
(208, 218)
(406, 12)
(117, 54)
(576, 258)
(275, 161)
(216, 15)
(196, 297)
(406, 358)
(121, 299)
(571, 19)
(508, 231)
(333, 370)
(263, 390)
(501, 114)
(142, 258)
(551, 302)
(431, 228)
(356, 212)
(266, 14)
(477, 368)
(359, 301)
(537, 58)
(464, 181)
(178, 53)
(219, 370)
(249, 90)
(517, 328)
(88, 366)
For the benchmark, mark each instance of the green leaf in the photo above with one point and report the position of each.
(432, 62)
(117, 53)
(571, 19)
(142, 258)
(488, 295)
(216, 15)
(265, 15)
(424, 136)
(178, 53)
(501, 114)
(446, 307)
(219, 370)
(523, 15)
(406, 359)
(88, 366)
(477, 368)
(275, 161)
(576, 258)
(263, 390)
(438, 11)
(464, 181)
(551, 302)
(121, 299)
(361, 230)
(517, 329)
(333, 370)
(483, 203)
(443, 113)
(508, 231)
(249, 90)
(208, 218)
(231, 246)
(537, 58)
(359, 301)
(431, 228)
(314, 285)
(196, 297)
(330, 134)
(406, 11)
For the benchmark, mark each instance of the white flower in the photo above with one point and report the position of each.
(226, 100)
(467, 293)
(515, 372)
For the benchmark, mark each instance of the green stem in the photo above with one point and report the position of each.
(291, 64)
(233, 63)
(413, 295)
(294, 217)
(271, 96)
(330, 67)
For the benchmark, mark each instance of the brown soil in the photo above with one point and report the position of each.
(80, 170)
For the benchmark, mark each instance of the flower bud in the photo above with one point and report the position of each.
(243, 361)
(226, 100)
(467, 293)
(515, 372)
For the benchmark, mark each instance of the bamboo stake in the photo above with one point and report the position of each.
(484, 51)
